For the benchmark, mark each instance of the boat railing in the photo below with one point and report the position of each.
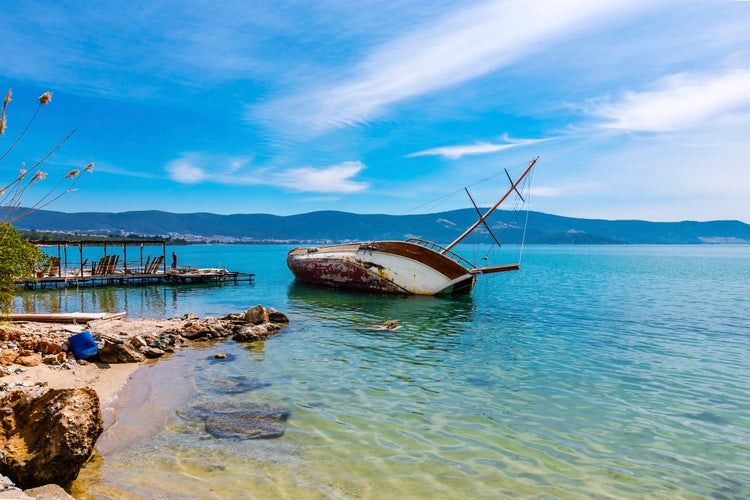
(442, 250)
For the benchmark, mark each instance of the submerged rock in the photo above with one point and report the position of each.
(253, 424)
(247, 421)
(237, 385)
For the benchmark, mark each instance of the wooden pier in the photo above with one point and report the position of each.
(113, 271)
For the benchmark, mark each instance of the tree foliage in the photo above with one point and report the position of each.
(18, 259)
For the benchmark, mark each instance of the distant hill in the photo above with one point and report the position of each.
(330, 226)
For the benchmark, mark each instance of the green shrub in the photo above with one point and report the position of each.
(18, 259)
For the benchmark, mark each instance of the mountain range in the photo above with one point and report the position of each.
(332, 226)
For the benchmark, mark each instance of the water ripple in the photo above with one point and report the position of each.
(593, 373)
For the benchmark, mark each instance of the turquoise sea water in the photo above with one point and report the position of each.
(594, 372)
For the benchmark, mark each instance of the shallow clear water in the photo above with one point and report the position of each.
(602, 372)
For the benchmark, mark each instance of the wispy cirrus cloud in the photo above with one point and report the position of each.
(193, 168)
(332, 179)
(478, 148)
(459, 47)
(678, 102)
(137, 48)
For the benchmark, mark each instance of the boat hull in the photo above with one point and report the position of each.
(384, 266)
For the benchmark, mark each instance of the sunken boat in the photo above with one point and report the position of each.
(410, 267)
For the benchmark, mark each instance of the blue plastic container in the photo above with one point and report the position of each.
(83, 345)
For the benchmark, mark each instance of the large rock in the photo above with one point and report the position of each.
(203, 330)
(167, 342)
(253, 333)
(26, 358)
(275, 316)
(117, 351)
(255, 315)
(151, 352)
(8, 356)
(256, 323)
(46, 438)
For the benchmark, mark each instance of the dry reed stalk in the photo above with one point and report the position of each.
(3, 123)
(11, 195)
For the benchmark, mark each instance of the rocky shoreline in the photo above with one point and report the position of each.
(53, 407)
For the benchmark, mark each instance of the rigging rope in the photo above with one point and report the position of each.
(513, 220)
(512, 217)
(445, 197)
(526, 223)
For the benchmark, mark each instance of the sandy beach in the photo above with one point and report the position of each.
(107, 379)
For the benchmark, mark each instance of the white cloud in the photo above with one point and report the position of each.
(185, 171)
(697, 174)
(333, 179)
(195, 168)
(678, 102)
(459, 47)
(479, 148)
(109, 168)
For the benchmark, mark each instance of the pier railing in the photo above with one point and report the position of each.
(442, 250)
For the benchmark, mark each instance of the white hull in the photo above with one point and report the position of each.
(395, 267)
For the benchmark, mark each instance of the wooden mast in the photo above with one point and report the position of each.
(494, 207)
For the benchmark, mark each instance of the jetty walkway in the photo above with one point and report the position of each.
(114, 269)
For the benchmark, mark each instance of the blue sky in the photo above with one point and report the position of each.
(637, 109)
